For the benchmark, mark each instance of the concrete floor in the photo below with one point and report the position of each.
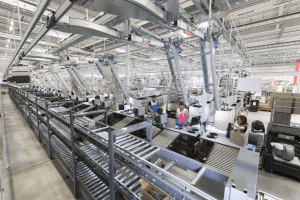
(31, 175)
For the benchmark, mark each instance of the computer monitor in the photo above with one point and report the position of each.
(195, 120)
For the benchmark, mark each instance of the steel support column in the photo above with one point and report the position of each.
(37, 118)
(111, 150)
(127, 67)
(48, 127)
(214, 74)
(204, 65)
(73, 153)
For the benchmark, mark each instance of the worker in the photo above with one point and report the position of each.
(182, 115)
(153, 104)
(242, 124)
(2, 115)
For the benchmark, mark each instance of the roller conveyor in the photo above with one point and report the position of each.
(92, 153)
(97, 188)
(133, 154)
(123, 174)
(222, 157)
(61, 128)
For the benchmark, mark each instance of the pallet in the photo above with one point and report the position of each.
(263, 109)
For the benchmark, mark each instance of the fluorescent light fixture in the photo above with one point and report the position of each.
(283, 3)
(119, 50)
(10, 28)
(11, 22)
(6, 45)
(8, 40)
(245, 13)
(204, 24)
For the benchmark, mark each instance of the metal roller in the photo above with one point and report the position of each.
(98, 193)
(140, 148)
(149, 155)
(134, 146)
(131, 143)
(145, 151)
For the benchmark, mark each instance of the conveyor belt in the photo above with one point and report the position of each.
(101, 116)
(124, 122)
(165, 138)
(86, 109)
(222, 157)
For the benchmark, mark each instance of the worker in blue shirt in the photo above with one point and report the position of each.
(153, 104)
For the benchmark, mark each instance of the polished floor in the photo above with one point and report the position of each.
(31, 175)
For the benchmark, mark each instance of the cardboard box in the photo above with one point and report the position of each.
(282, 118)
(289, 137)
(149, 192)
(283, 101)
(297, 95)
(240, 139)
(286, 129)
(283, 94)
(296, 104)
(171, 123)
(278, 95)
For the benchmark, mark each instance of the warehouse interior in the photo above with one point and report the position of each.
(150, 99)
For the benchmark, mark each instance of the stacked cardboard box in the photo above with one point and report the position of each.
(297, 95)
(283, 104)
(284, 129)
(296, 104)
(274, 95)
(282, 118)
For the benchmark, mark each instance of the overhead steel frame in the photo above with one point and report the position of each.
(49, 80)
(78, 79)
(109, 61)
(175, 68)
(213, 69)
(65, 88)
(61, 11)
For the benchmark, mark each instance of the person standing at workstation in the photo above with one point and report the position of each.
(182, 115)
(153, 104)
(242, 125)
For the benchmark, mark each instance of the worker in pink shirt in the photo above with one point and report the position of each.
(182, 115)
